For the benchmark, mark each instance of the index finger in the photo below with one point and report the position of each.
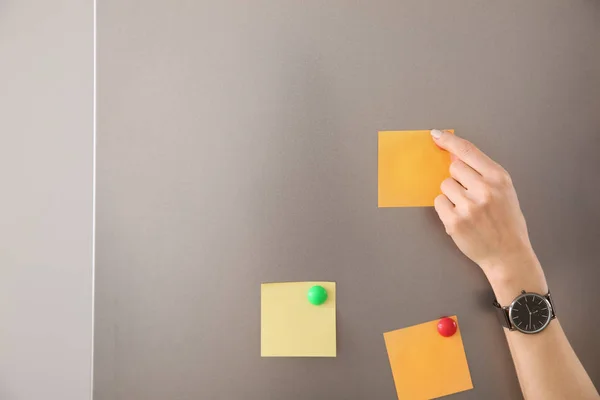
(464, 150)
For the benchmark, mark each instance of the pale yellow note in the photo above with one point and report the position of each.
(426, 365)
(411, 168)
(293, 327)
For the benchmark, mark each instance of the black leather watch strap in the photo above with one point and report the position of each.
(549, 298)
(502, 314)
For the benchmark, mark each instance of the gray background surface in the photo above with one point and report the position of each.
(238, 144)
(46, 199)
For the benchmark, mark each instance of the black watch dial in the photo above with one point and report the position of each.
(530, 313)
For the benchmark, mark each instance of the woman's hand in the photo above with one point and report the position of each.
(480, 210)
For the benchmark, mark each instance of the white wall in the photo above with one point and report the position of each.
(46, 199)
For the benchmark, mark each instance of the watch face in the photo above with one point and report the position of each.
(530, 313)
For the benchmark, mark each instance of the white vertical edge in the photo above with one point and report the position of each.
(94, 22)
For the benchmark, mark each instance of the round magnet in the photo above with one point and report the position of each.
(317, 295)
(446, 327)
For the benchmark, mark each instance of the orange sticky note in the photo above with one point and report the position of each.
(411, 169)
(426, 365)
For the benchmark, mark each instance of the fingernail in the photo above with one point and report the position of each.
(436, 133)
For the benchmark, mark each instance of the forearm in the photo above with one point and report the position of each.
(547, 366)
(545, 362)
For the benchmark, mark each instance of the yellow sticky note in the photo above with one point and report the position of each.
(293, 327)
(411, 168)
(426, 365)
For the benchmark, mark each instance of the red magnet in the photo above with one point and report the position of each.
(446, 327)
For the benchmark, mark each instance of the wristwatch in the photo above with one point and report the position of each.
(528, 313)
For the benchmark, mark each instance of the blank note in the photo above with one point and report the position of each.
(411, 169)
(426, 365)
(293, 327)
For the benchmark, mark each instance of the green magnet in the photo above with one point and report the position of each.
(317, 295)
